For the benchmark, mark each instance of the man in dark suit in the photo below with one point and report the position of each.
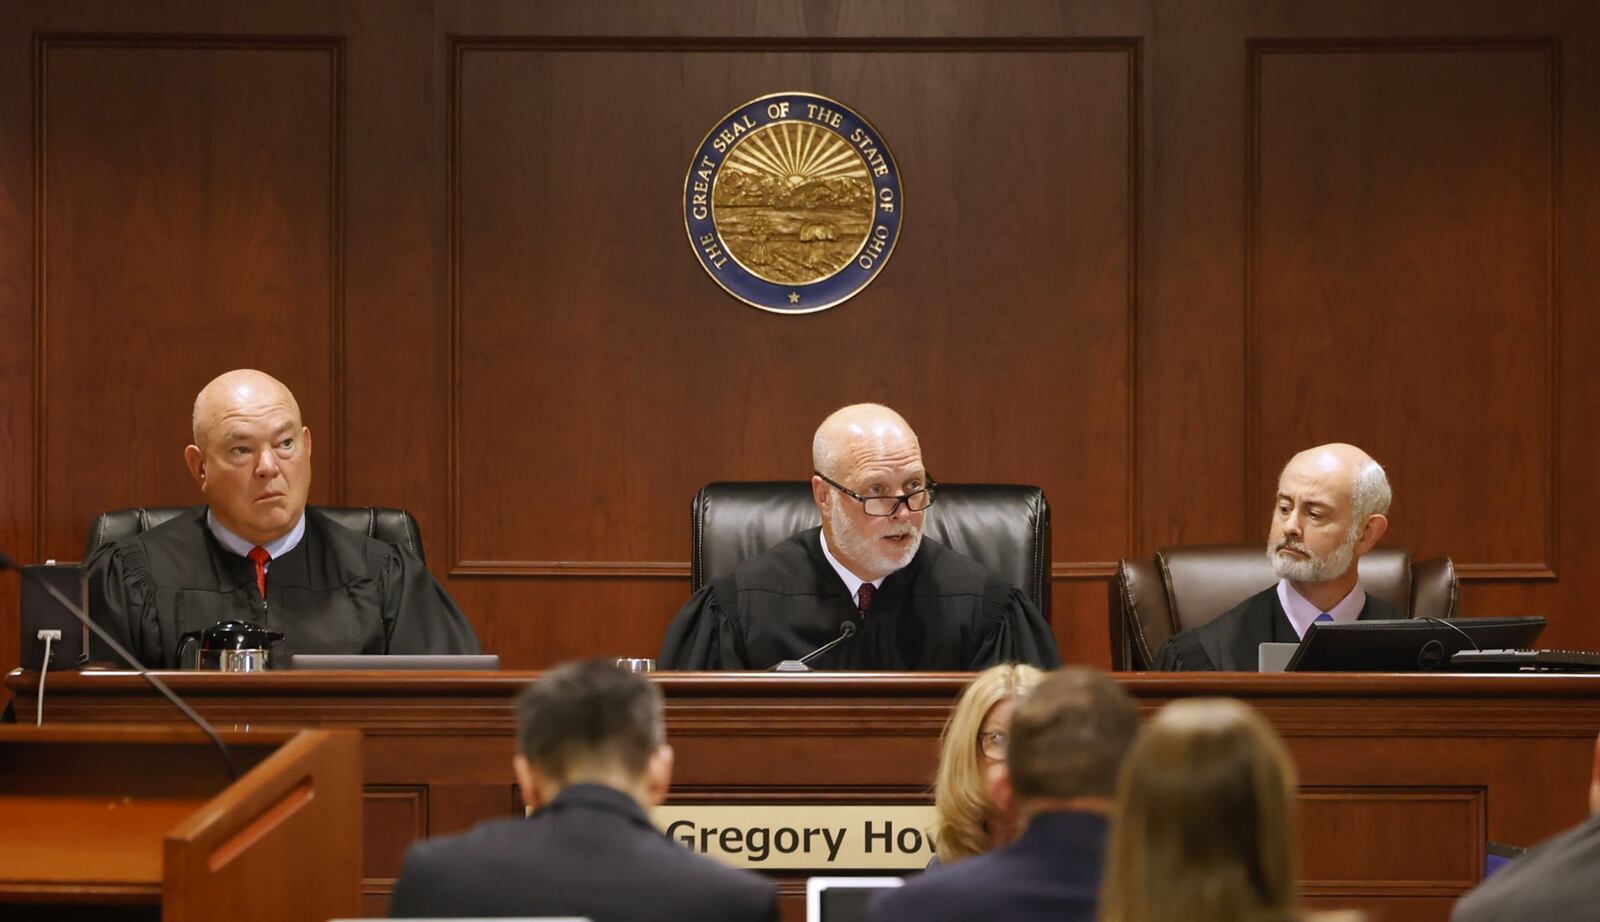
(1556, 880)
(1065, 744)
(1332, 507)
(593, 760)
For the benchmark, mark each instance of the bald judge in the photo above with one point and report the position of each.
(1332, 507)
(256, 551)
(916, 603)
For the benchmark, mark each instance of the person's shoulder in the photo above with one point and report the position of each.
(778, 567)
(728, 893)
(1550, 881)
(1189, 650)
(1252, 608)
(445, 857)
(1264, 601)
(1376, 609)
(950, 572)
(351, 550)
(946, 891)
(175, 542)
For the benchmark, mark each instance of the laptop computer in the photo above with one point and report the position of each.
(843, 899)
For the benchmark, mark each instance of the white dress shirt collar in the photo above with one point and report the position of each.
(242, 547)
(1302, 612)
(852, 582)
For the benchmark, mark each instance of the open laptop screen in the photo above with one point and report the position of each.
(842, 899)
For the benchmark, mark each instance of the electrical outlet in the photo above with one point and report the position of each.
(49, 635)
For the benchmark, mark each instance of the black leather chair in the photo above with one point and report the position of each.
(396, 526)
(1185, 587)
(1006, 526)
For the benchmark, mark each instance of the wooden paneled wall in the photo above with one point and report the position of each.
(1150, 249)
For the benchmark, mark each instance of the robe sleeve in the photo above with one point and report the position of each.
(418, 615)
(1183, 653)
(700, 637)
(1015, 632)
(121, 600)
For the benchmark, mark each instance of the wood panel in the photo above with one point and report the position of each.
(599, 310)
(1139, 235)
(188, 224)
(1402, 282)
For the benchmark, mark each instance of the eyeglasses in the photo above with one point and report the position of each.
(992, 743)
(915, 501)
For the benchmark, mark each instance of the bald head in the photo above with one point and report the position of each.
(868, 450)
(1330, 511)
(242, 387)
(1344, 468)
(849, 432)
(251, 455)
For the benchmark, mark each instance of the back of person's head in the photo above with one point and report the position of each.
(589, 720)
(1069, 736)
(1203, 827)
(960, 795)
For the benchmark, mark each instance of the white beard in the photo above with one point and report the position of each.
(1313, 569)
(875, 555)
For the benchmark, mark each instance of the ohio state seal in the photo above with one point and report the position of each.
(792, 203)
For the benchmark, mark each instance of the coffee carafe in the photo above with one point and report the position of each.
(228, 646)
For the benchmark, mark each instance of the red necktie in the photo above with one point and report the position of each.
(864, 599)
(259, 557)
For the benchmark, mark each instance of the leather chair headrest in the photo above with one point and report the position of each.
(1005, 526)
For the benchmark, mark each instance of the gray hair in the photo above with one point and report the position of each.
(1370, 493)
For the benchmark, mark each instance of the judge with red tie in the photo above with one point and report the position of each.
(916, 604)
(256, 551)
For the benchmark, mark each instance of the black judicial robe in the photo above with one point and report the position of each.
(337, 591)
(942, 611)
(1229, 644)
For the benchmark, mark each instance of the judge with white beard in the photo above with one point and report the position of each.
(1330, 510)
(915, 603)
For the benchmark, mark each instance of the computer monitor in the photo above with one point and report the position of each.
(1410, 645)
(842, 899)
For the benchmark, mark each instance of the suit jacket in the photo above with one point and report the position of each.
(590, 852)
(1229, 643)
(1052, 872)
(1556, 880)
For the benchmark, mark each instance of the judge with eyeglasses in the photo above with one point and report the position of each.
(914, 603)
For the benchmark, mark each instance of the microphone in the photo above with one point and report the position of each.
(6, 563)
(847, 630)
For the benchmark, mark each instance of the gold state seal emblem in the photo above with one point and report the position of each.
(792, 203)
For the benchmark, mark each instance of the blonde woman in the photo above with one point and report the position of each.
(973, 746)
(1203, 830)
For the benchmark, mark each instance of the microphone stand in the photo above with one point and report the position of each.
(846, 631)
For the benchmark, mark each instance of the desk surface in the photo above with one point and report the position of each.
(1403, 777)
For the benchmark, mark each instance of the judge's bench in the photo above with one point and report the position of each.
(1404, 778)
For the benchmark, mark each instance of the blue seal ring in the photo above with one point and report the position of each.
(792, 203)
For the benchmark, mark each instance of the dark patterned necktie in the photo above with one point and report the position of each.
(259, 557)
(864, 599)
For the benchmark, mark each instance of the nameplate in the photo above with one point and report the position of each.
(855, 837)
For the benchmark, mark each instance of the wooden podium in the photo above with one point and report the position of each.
(142, 822)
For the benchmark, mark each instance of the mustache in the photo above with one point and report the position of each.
(1289, 544)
